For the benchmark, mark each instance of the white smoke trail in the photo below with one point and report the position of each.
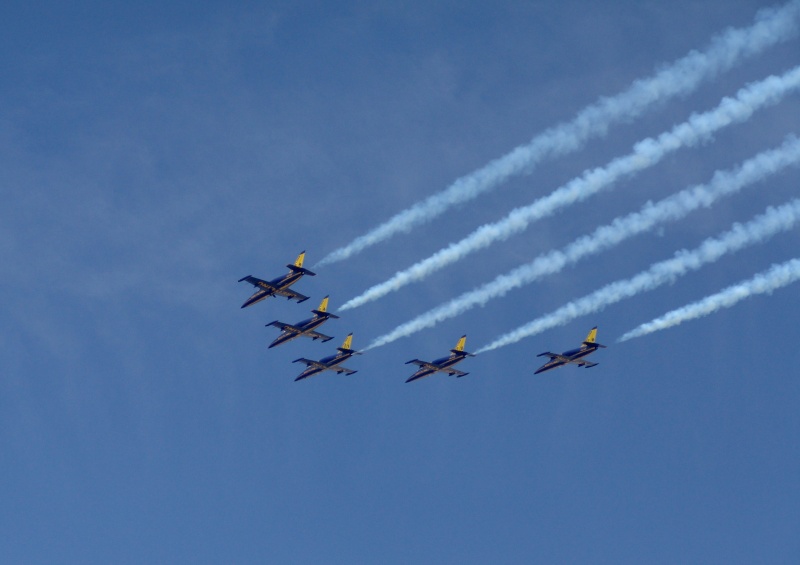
(672, 208)
(773, 221)
(763, 283)
(645, 154)
(772, 26)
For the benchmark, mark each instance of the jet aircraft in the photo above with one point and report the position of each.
(330, 363)
(306, 327)
(279, 286)
(442, 365)
(573, 355)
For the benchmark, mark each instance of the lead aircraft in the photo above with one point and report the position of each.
(442, 365)
(330, 363)
(306, 327)
(574, 356)
(279, 286)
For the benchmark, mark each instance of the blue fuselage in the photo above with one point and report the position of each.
(329, 362)
(571, 356)
(441, 364)
(305, 326)
(280, 283)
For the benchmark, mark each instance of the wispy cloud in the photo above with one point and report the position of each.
(773, 221)
(646, 153)
(772, 26)
(672, 208)
(763, 283)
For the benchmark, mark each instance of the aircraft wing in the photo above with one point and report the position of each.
(423, 372)
(307, 373)
(311, 363)
(552, 364)
(562, 358)
(322, 367)
(255, 281)
(424, 364)
(289, 294)
(427, 370)
(289, 328)
(317, 335)
(286, 327)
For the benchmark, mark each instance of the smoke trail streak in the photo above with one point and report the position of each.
(772, 26)
(671, 208)
(763, 283)
(645, 154)
(773, 221)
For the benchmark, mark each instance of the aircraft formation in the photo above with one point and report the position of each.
(679, 78)
(279, 287)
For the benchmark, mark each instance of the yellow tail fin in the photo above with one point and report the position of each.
(461, 343)
(592, 335)
(348, 341)
(323, 306)
(300, 259)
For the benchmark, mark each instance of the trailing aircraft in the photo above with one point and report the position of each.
(442, 365)
(574, 356)
(279, 286)
(306, 327)
(330, 363)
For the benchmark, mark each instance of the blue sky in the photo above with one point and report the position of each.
(152, 156)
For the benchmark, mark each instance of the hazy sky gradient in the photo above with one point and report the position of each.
(153, 154)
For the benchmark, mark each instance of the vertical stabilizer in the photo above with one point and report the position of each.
(297, 266)
(461, 343)
(323, 310)
(348, 341)
(592, 337)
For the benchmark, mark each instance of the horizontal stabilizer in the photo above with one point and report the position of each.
(462, 353)
(593, 344)
(326, 314)
(316, 335)
(297, 269)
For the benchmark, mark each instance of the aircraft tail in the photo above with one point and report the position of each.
(323, 309)
(297, 267)
(591, 339)
(346, 346)
(459, 348)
